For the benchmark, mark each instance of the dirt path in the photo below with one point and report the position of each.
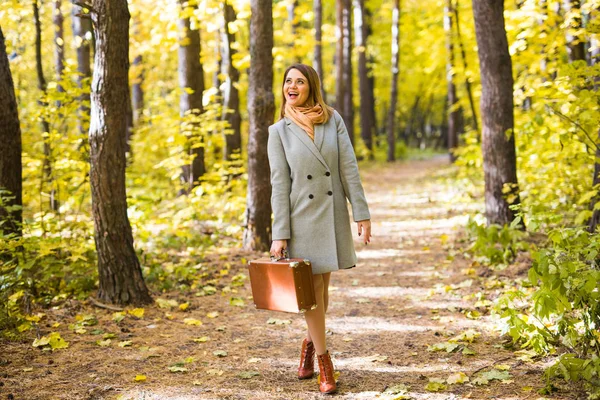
(405, 295)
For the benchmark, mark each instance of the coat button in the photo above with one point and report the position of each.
(330, 193)
(310, 196)
(309, 177)
(327, 173)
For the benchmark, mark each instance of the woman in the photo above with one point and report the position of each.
(313, 172)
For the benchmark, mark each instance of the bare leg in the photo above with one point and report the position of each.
(326, 279)
(315, 319)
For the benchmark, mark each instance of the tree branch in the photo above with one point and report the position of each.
(577, 125)
(102, 305)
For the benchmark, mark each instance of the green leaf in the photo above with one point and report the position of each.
(435, 385)
(248, 374)
(237, 301)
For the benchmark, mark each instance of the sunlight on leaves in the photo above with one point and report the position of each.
(136, 312)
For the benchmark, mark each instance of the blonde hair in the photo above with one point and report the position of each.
(314, 93)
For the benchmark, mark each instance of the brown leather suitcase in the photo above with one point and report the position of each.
(282, 285)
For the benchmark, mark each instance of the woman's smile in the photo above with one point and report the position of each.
(296, 88)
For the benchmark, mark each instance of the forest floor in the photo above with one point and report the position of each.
(413, 291)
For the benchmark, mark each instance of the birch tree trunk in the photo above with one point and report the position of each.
(391, 125)
(231, 96)
(498, 140)
(11, 175)
(474, 121)
(261, 108)
(119, 270)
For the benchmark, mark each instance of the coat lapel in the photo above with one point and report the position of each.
(319, 136)
(303, 136)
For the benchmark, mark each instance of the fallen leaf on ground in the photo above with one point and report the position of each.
(51, 342)
(275, 321)
(202, 339)
(459, 377)
(213, 314)
(237, 301)
(164, 303)
(220, 353)
(104, 343)
(435, 385)
(192, 321)
(125, 343)
(137, 312)
(254, 360)
(140, 378)
(216, 372)
(176, 368)
(248, 374)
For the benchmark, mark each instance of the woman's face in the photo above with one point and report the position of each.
(295, 88)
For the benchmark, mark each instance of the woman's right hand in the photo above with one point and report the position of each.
(277, 248)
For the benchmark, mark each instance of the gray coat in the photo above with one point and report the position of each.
(311, 182)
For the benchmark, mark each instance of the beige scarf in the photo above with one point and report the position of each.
(306, 117)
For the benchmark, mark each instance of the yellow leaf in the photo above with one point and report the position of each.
(192, 321)
(213, 314)
(29, 369)
(137, 312)
(125, 343)
(459, 377)
(184, 306)
(202, 339)
(503, 367)
(104, 343)
(140, 378)
(216, 372)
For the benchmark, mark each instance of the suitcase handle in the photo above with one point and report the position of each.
(286, 256)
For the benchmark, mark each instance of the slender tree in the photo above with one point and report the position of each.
(317, 54)
(498, 140)
(42, 86)
(391, 127)
(137, 91)
(367, 98)
(59, 42)
(82, 39)
(119, 271)
(261, 108)
(231, 96)
(10, 157)
(191, 81)
(463, 55)
(454, 108)
(340, 88)
(595, 219)
(575, 39)
(348, 98)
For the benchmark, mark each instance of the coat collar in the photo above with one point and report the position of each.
(315, 146)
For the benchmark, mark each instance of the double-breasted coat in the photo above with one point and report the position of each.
(311, 183)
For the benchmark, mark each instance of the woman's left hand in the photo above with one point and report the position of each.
(364, 230)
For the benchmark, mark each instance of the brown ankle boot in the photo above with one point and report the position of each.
(306, 370)
(326, 378)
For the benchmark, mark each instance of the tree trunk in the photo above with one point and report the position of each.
(291, 9)
(137, 92)
(231, 96)
(367, 99)
(475, 121)
(317, 56)
(82, 36)
(119, 271)
(498, 140)
(454, 109)
(595, 219)
(47, 177)
(391, 124)
(575, 40)
(339, 57)
(261, 108)
(348, 100)
(10, 159)
(191, 79)
(59, 43)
